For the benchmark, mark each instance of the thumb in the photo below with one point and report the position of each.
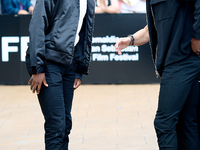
(75, 83)
(117, 45)
(45, 83)
(31, 79)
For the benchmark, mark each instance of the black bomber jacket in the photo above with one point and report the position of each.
(172, 24)
(53, 29)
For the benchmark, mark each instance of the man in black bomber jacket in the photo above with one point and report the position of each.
(59, 53)
(173, 31)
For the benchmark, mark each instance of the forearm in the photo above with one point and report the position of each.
(141, 37)
(98, 10)
(37, 28)
(112, 9)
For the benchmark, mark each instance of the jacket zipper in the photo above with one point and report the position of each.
(75, 35)
(157, 74)
(91, 41)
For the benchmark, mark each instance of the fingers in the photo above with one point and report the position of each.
(117, 48)
(36, 82)
(119, 52)
(195, 44)
(33, 87)
(122, 43)
(40, 85)
(37, 86)
(31, 79)
(38, 89)
(197, 52)
(45, 83)
(77, 83)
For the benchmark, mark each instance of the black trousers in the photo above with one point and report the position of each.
(56, 102)
(187, 123)
(176, 85)
(198, 111)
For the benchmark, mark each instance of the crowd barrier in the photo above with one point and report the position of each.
(134, 66)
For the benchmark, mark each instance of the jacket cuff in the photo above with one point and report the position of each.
(37, 70)
(78, 76)
(16, 11)
(196, 35)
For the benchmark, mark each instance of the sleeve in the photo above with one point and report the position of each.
(28, 4)
(9, 7)
(78, 76)
(38, 25)
(196, 25)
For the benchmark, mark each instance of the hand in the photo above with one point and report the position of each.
(195, 43)
(30, 9)
(23, 12)
(36, 81)
(77, 83)
(121, 44)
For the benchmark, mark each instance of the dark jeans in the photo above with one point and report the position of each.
(56, 102)
(187, 130)
(176, 85)
(198, 112)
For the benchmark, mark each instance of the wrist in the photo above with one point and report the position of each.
(131, 37)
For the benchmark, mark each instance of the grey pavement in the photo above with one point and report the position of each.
(105, 117)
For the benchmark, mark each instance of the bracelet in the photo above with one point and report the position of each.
(131, 39)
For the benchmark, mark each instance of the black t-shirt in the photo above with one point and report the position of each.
(171, 37)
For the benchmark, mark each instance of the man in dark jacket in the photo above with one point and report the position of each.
(173, 31)
(198, 112)
(0, 6)
(59, 53)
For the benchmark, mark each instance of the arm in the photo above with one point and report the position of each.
(38, 25)
(24, 12)
(98, 10)
(195, 42)
(78, 80)
(141, 37)
(36, 81)
(77, 83)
